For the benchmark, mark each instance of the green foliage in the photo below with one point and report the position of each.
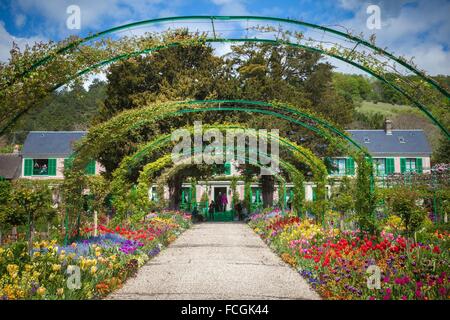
(403, 202)
(248, 195)
(235, 194)
(365, 196)
(30, 201)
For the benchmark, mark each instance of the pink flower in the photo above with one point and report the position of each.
(386, 297)
(404, 298)
(419, 284)
(418, 293)
(442, 291)
(388, 291)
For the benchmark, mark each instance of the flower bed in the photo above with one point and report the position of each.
(336, 263)
(104, 261)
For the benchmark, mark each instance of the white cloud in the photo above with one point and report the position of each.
(7, 40)
(231, 7)
(94, 14)
(420, 29)
(20, 20)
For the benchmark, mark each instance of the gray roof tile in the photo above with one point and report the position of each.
(47, 144)
(379, 143)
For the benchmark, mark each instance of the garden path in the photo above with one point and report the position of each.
(218, 260)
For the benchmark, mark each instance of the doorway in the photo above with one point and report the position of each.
(221, 205)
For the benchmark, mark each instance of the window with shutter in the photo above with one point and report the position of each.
(349, 166)
(227, 167)
(390, 167)
(52, 167)
(90, 168)
(402, 165)
(419, 168)
(28, 167)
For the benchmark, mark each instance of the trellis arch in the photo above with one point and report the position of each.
(150, 169)
(117, 128)
(120, 183)
(352, 55)
(295, 175)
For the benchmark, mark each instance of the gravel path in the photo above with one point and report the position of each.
(216, 261)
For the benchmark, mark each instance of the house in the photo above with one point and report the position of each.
(392, 151)
(46, 153)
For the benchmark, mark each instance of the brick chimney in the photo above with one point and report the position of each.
(388, 127)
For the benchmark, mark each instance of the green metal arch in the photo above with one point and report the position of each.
(357, 40)
(164, 139)
(418, 104)
(144, 184)
(267, 112)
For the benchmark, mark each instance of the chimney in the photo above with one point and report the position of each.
(388, 127)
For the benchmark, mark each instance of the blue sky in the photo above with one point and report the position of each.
(414, 28)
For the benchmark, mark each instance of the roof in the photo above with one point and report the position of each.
(399, 143)
(48, 144)
(10, 165)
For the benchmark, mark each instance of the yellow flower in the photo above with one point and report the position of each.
(56, 267)
(93, 269)
(98, 254)
(41, 291)
(13, 270)
(28, 267)
(36, 254)
(60, 291)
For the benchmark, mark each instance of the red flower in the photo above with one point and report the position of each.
(436, 250)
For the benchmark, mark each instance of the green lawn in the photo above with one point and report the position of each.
(386, 109)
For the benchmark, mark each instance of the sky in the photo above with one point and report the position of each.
(419, 29)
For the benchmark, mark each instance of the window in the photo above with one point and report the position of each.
(379, 166)
(256, 195)
(401, 140)
(89, 170)
(411, 165)
(153, 194)
(40, 167)
(366, 140)
(338, 167)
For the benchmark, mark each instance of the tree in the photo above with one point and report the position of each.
(33, 201)
(403, 202)
(343, 199)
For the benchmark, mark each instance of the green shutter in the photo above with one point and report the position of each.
(390, 167)
(314, 194)
(28, 167)
(90, 168)
(68, 163)
(227, 166)
(419, 168)
(402, 165)
(52, 167)
(329, 164)
(349, 166)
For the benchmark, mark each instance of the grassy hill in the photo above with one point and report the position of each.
(386, 109)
